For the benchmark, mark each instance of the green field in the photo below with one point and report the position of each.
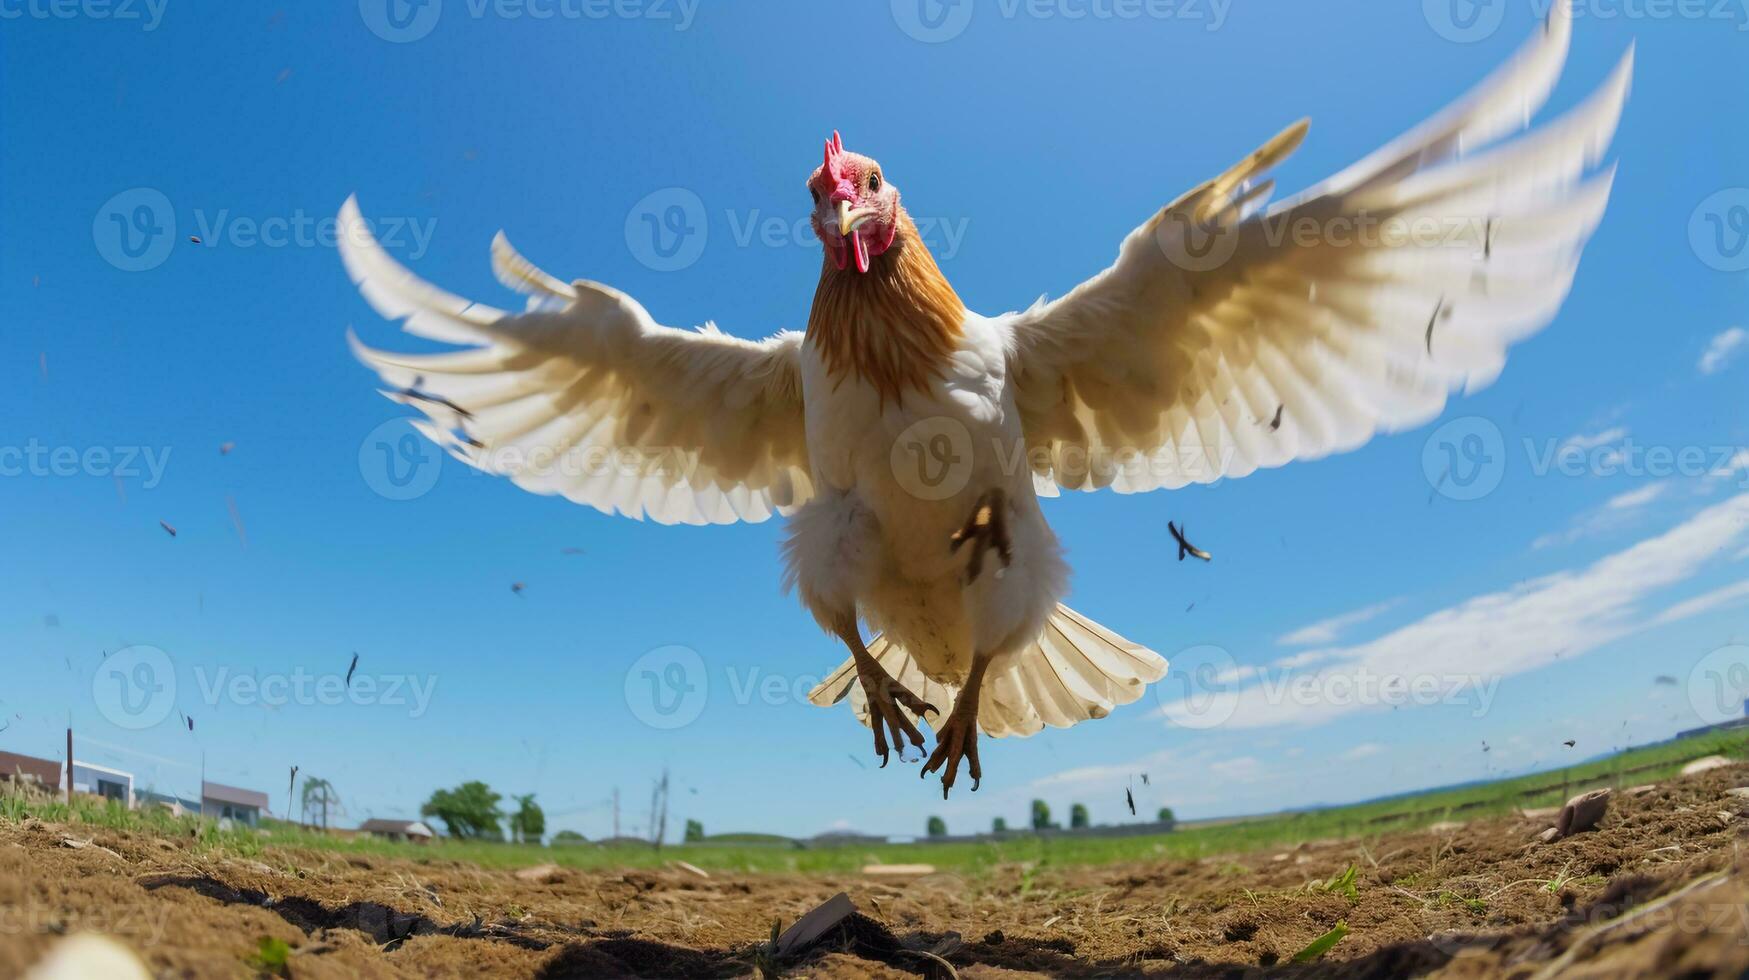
(758, 853)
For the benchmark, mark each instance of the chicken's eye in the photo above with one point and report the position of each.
(874, 183)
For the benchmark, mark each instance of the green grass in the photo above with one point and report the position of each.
(757, 853)
(1323, 944)
(89, 812)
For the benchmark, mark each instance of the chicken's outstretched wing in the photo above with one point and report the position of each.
(586, 396)
(1229, 336)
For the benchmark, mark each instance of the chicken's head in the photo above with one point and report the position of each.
(856, 212)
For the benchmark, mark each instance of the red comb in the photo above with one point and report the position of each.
(834, 153)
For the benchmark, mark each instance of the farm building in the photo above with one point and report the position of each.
(44, 771)
(88, 777)
(413, 830)
(222, 802)
(111, 784)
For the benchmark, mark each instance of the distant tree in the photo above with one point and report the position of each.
(529, 823)
(999, 826)
(694, 831)
(937, 827)
(1041, 815)
(1166, 816)
(470, 810)
(568, 837)
(1078, 817)
(318, 797)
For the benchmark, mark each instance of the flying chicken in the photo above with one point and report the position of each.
(908, 440)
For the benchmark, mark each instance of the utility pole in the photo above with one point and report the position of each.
(69, 786)
(659, 810)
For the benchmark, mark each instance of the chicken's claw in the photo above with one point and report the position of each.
(956, 740)
(885, 698)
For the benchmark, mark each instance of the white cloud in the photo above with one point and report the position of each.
(1364, 750)
(1722, 350)
(1635, 499)
(1724, 598)
(1244, 769)
(1615, 513)
(1503, 633)
(1234, 675)
(1584, 443)
(1305, 659)
(1326, 631)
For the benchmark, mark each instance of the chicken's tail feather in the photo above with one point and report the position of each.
(1075, 671)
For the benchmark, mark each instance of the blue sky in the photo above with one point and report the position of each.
(1034, 139)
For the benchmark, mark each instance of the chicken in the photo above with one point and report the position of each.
(908, 440)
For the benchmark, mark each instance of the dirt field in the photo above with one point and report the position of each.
(1658, 891)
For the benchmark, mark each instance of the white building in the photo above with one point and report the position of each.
(103, 781)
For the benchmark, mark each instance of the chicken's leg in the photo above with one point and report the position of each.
(885, 697)
(958, 738)
(987, 528)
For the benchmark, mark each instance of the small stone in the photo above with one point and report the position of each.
(1707, 764)
(541, 874)
(1637, 791)
(1583, 812)
(1549, 835)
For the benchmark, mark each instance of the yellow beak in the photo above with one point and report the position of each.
(849, 220)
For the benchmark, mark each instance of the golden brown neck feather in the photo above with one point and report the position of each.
(893, 326)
